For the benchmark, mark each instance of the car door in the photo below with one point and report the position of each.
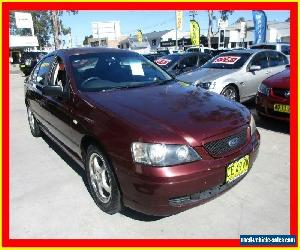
(58, 109)
(277, 62)
(252, 79)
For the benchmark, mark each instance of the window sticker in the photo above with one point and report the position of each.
(137, 69)
(227, 59)
(162, 61)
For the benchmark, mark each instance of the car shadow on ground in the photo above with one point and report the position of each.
(80, 171)
(267, 123)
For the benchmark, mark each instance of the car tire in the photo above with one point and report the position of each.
(102, 182)
(230, 92)
(33, 124)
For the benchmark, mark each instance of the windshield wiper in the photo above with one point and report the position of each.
(123, 87)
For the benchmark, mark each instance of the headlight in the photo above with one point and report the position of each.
(262, 88)
(252, 125)
(205, 85)
(162, 154)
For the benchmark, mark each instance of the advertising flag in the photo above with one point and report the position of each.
(195, 32)
(139, 36)
(179, 19)
(260, 26)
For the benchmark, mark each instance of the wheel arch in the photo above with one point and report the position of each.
(91, 140)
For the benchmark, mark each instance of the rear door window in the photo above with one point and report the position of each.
(283, 59)
(276, 59)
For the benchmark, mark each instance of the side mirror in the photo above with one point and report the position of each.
(254, 68)
(26, 79)
(53, 90)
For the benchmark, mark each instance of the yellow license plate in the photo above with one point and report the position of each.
(282, 108)
(237, 168)
(22, 66)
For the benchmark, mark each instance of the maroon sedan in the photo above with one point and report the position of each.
(145, 140)
(273, 96)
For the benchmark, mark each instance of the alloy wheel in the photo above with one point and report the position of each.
(230, 93)
(31, 119)
(99, 177)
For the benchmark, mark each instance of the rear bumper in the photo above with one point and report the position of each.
(265, 106)
(170, 190)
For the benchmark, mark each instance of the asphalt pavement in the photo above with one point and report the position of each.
(49, 196)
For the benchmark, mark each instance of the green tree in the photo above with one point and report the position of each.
(85, 41)
(58, 27)
(240, 19)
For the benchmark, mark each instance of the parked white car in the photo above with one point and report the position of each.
(237, 74)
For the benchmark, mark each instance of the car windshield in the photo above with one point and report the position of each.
(103, 71)
(166, 61)
(228, 61)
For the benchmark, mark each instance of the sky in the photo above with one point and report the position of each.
(148, 21)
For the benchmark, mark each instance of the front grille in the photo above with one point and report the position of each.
(225, 145)
(285, 93)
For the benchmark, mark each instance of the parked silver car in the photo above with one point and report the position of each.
(237, 74)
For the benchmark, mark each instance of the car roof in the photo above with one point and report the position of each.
(275, 43)
(189, 54)
(251, 51)
(89, 50)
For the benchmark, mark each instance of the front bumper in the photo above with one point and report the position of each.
(170, 190)
(265, 106)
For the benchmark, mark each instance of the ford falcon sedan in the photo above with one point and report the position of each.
(145, 140)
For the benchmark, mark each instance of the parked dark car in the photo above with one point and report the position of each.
(273, 96)
(177, 63)
(29, 59)
(145, 140)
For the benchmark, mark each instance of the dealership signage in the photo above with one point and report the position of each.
(172, 43)
(260, 26)
(23, 20)
(243, 30)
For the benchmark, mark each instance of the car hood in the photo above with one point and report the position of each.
(205, 74)
(172, 113)
(280, 80)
